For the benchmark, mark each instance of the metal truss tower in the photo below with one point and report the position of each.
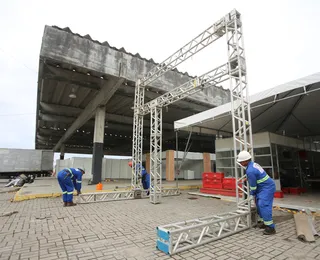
(180, 236)
(240, 105)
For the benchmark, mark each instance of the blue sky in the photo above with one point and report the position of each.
(281, 41)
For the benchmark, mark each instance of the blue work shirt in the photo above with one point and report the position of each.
(258, 179)
(76, 177)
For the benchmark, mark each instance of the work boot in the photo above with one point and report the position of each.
(269, 231)
(261, 225)
(65, 204)
(70, 204)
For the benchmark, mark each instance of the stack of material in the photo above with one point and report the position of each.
(305, 226)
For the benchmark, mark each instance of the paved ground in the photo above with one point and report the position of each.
(49, 187)
(43, 229)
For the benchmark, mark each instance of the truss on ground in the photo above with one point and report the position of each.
(181, 236)
(122, 195)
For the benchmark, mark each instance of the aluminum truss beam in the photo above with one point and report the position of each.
(181, 236)
(137, 137)
(209, 79)
(203, 40)
(156, 155)
(240, 105)
(122, 195)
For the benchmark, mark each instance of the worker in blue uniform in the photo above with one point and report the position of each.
(263, 188)
(145, 176)
(70, 179)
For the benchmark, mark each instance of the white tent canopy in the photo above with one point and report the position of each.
(292, 109)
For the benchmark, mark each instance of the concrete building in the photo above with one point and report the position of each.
(85, 99)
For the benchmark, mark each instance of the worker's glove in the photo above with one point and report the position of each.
(251, 197)
(78, 193)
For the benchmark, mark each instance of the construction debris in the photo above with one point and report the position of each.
(7, 214)
(306, 231)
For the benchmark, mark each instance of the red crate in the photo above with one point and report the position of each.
(303, 190)
(213, 175)
(229, 183)
(214, 186)
(285, 190)
(294, 191)
(222, 192)
(278, 194)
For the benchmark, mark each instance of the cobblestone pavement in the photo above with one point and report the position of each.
(43, 229)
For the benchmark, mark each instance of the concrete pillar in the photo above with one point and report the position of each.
(98, 139)
(148, 162)
(207, 162)
(62, 152)
(170, 165)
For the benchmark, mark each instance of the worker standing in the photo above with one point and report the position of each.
(70, 179)
(145, 176)
(263, 188)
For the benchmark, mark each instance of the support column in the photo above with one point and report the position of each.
(148, 162)
(98, 139)
(170, 165)
(62, 152)
(207, 162)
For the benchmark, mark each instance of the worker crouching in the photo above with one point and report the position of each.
(70, 179)
(263, 188)
(145, 176)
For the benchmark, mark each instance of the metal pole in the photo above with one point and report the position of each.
(176, 175)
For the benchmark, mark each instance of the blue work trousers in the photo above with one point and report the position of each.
(264, 201)
(66, 184)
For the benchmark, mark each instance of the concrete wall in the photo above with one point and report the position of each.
(118, 168)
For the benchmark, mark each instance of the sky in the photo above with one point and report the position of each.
(280, 37)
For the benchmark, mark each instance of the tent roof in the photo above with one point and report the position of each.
(291, 108)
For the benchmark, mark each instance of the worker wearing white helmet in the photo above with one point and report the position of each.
(263, 188)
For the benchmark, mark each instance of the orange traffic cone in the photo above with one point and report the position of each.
(99, 186)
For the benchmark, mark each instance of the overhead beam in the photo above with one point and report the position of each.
(102, 98)
(73, 111)
(64, 75)
(151, 95)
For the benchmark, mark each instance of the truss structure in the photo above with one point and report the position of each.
(122, 195)
(212, 78)
(240, 106)
(185, 235)
(181, 236)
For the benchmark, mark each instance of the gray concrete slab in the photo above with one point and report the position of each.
(43, 229)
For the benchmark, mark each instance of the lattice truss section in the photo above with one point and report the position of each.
(181, 236)
(121, 195)
(137, 137)
(156, 155)
(240, 106)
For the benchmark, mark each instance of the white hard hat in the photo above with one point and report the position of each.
(243, 156)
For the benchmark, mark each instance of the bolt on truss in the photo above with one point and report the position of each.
(137, 137)
(181, 236)
(240, 106)
(122, 195)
